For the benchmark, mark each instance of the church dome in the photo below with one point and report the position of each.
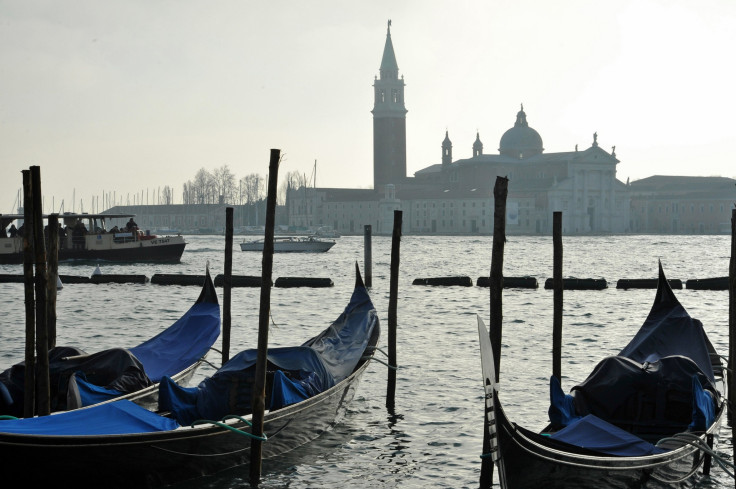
(521, 141)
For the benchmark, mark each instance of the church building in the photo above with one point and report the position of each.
(455, 196)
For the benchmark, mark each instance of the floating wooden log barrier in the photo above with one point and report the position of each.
(74, 279)
(240, 281)
(511, 282)
(579, 283)
(715, 283)
(118, 279)
(462, 281)
(645, 283)
(10, 278)
(177, 279)
(303, 282)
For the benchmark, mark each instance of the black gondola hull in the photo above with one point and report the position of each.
(530, 461)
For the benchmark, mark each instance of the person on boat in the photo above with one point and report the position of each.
(131, 225)
(13, 232)
(62, 237)
(78, 233)
(21, 230)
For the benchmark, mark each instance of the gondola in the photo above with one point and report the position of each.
(204, 429)
(78, 379)
(645, 418)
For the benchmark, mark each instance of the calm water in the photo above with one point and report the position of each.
(434, 436)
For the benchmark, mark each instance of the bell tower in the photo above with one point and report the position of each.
(389, 120)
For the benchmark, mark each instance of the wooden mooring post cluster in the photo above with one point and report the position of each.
(40, 271)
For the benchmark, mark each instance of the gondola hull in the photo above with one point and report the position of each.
(529, 461)
(162, 458)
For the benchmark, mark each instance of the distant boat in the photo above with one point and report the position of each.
(93, 241)
(291, 244)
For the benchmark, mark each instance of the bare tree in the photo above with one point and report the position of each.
(168, 195)
(223, 182)
(253, 187)
(202, 186)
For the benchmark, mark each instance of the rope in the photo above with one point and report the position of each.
(392, 367)
(222, 424)
(697, 442)
(375, 348)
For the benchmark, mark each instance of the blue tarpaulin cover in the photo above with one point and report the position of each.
(115, 418)
(79, 379)
(306, 370)
(229, 391)
(593, 433)
(182, 344)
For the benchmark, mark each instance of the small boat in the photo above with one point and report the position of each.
(86, 237)
(291, 244)
(204, 429)
(78, 379)
(645, 418)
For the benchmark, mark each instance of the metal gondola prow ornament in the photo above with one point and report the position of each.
(491, 388)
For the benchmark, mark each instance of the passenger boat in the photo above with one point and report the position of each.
(291, 244)
(78, 379)
(87, 237)
(201, 430)
(645, 418)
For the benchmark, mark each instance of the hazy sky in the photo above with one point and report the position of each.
(131, 96)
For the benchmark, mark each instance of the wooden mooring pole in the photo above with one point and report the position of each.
(43, 391)
(557, 295)
(368, 260)
(392, 309)
(227, 282)
(732, 331)
(53, 271)
(29, 387)
(259, 387)
(500, 193)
